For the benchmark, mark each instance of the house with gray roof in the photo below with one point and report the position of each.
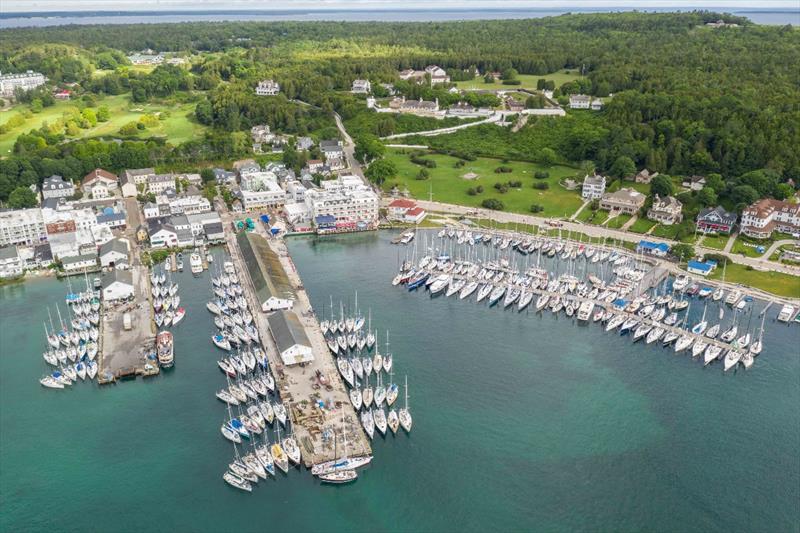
(114, 253)
(57, 187)
(290, 337)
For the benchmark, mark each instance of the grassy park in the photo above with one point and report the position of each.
(177, 127)
(774, 282)
(448, 184)
(528, 81)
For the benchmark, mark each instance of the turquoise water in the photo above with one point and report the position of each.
(521, 421)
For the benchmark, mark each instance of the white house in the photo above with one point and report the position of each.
(398, 208)
(162, 235)
(332, 149)
(290, 338)
(579, 101)
(9, 83)
(361, 87)
(56, 187)
(593, 187)
(437, 74)
(10, 262)
(158, 183)
(79, 263)
(268, 88)
(415, 215)
(99, 183)
(127, 186)
(117, 285)
(114, 253)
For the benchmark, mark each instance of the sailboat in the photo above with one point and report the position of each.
(757, 346)
(340, 472)
(291, 448)
(379, 416)
(404, 414)
(278, 456)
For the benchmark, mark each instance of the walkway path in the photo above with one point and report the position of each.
(777, 244)
(729, 244)
(494, 117)
(629, 223)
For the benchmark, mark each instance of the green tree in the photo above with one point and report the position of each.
(207, 175)
(744, 194)
(21, 197)
(381, 170)
(103, 114)
(547, 157)
(492, 203)
(37, 105)
(662, 186)
(623, 167)
(368, 148)
(707, 197)
(683, 251)
(90, 116)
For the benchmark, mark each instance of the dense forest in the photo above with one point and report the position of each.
(687, 99)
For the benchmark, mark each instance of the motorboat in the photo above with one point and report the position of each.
(238, 482)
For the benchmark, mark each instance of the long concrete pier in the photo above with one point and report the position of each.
(299, 385)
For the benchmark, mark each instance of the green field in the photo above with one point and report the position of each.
(178, 127)
(717, 242)
(774, 282)
(593, 217)
(740, 247)
(447, 184)
(528, 81)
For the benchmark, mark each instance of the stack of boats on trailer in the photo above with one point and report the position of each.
(72, 345)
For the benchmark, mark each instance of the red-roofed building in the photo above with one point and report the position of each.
(415, 215)
(398, 208)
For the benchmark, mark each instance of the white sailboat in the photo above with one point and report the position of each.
(404, 413)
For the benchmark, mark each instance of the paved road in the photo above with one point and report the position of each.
(594, 231)
(775, 245)
(349, 149)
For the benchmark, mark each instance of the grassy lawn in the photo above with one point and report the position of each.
(592, 217)
(528, 81)
(177, 128)
(448, 186)
(642, 225)
(717, 242)
(740, 247)
(774, 282)
(618, 221)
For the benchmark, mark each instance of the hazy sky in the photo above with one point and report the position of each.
(135, 5)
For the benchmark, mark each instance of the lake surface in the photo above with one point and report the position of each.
(13, 20)
(521, 421)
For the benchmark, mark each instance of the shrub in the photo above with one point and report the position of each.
(479, 189)
(541, 174)
(503, 170)
(423, 174)
(501, 187)
(492, 203)
(515, 184)
(536, 208)
(541, 185)
(417, 160)
(460, 163)
(471, 191)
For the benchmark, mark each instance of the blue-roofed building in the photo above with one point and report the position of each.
(325, 222)
(658, 249)
(701, 268)
(112, 220)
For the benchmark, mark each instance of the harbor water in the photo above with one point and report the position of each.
(521, 421)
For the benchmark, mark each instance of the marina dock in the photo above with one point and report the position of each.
(317, 411)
